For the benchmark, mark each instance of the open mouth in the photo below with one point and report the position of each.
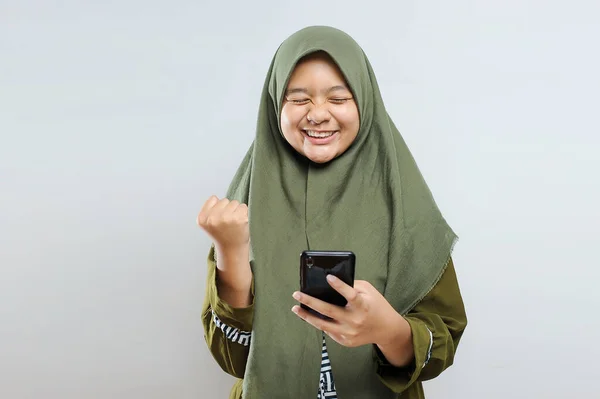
(320, 137)
(319, 134)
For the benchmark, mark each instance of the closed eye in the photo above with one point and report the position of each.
(339, 100)
(300, 101)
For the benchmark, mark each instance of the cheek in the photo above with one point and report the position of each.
(350, 120)
(291, 116)
(285, 121)
(289, 126)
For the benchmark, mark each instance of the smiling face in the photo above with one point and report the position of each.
(319, 117)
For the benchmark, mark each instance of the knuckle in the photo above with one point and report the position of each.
(362, 320)
(361, 285)
(210, 201)
(358, 322)
(352, 296)
(330, 310)
(212, 221)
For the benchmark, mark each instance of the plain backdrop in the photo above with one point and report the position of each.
(119, 119)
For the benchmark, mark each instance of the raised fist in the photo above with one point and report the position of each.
(226, 222)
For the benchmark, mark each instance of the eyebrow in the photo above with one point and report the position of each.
(304, 90)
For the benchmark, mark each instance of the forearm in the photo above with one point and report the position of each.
(397, 346)
(234, 276)
(227, 330)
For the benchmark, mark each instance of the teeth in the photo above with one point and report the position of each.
(319, 135)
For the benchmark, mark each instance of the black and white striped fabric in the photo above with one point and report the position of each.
(232, 334)
(326, 384)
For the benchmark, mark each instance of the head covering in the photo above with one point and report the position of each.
(371, 200)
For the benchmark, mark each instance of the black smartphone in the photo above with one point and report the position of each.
(314, 268)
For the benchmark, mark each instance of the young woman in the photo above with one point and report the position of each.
(329, 170)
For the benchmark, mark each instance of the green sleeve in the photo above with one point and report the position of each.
(230, 355)
(437, 324)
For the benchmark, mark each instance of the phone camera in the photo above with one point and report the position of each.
(309, 262)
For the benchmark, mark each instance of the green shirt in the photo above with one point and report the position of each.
(440, 312)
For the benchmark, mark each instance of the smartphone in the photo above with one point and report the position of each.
(314, 268)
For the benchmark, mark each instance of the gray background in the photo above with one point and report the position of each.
(118, 120)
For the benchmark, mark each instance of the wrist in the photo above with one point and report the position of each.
(396, 332)
(234, 275)
(235, 286)
(232, 254)
(396, 343)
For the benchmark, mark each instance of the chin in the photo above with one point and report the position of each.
(320, 159)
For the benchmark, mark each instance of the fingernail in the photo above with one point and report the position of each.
(295, 309)
(296, 296)
(331, 278)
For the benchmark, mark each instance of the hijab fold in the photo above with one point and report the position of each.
(371, 200)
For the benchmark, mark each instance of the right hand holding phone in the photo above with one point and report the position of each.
(226, 222)
(368, 318)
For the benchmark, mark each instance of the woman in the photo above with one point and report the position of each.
(328, 170)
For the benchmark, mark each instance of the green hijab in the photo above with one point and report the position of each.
(371, 200)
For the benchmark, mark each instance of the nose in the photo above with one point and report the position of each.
(318, 114)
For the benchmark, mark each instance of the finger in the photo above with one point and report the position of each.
(242, 210)
(316, 322)
(231, 206)
(216, 212)
(344, 289)
(221, 205)
(322, 307)
(208, 205)
(241, 213)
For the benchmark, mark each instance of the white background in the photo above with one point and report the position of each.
(118, 120)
